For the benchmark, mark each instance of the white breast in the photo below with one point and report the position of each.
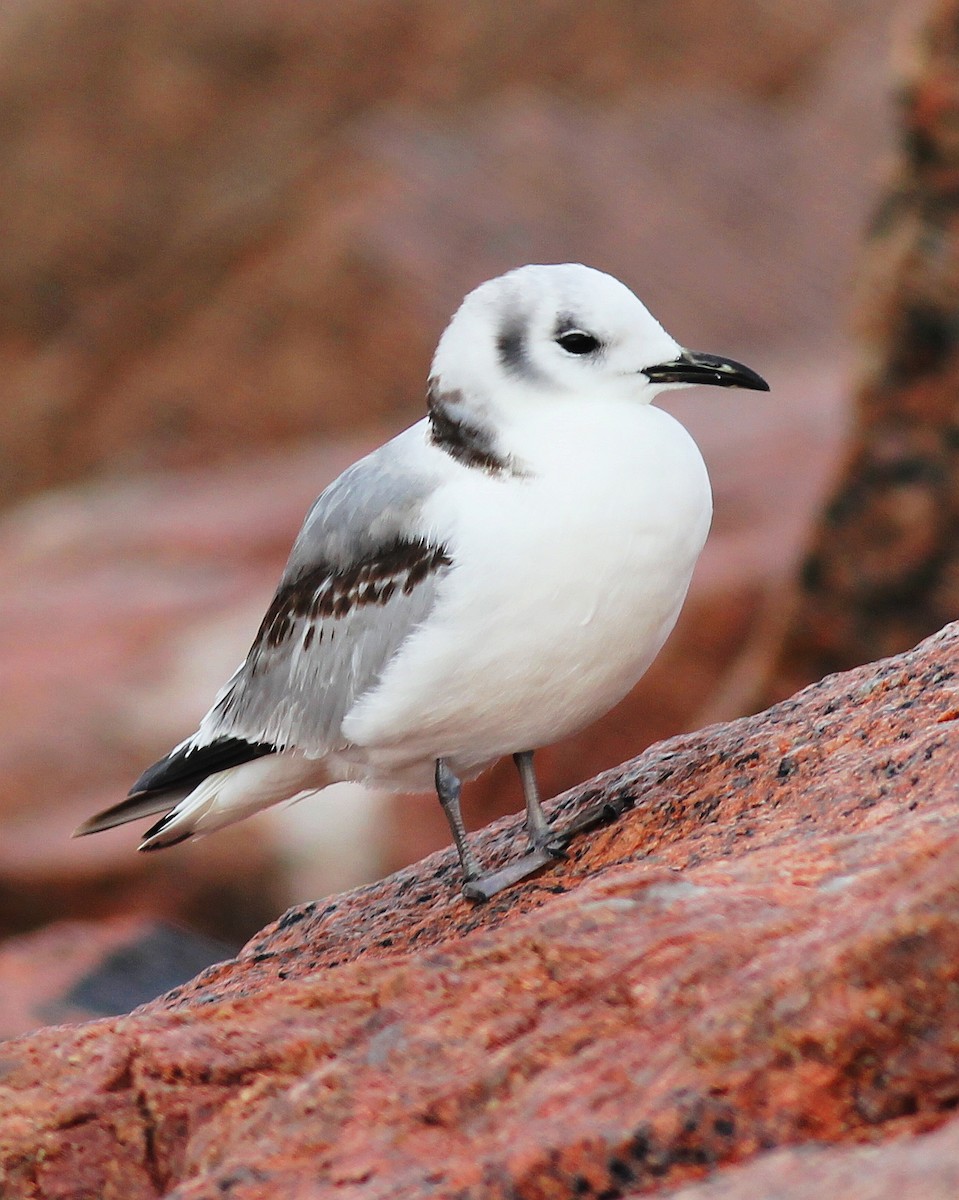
(566, 584)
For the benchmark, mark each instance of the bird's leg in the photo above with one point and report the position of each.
(476, 885)
(541, 834)
(448, 789)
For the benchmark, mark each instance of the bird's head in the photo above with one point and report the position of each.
(540, 333)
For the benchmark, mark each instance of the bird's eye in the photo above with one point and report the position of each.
(577, 342)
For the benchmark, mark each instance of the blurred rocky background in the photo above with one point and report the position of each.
(231, 232)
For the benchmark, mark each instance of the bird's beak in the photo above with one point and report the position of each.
(692, 367)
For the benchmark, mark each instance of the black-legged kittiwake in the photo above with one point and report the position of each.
(491, 580)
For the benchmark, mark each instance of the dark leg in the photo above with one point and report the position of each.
(448, 789)
(541, 835)
(546, 845)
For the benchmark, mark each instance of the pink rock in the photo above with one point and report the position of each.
(760, 951)
(77, 970)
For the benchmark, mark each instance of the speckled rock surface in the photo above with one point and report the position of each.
(761, 951)
(918, 1168)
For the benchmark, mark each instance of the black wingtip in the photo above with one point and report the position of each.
(133, 808)
(152, 839)
(149, 847)
(188, 765)
(159, 827)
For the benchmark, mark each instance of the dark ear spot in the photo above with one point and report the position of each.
(511, 347)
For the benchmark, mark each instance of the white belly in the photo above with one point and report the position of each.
(564, 587)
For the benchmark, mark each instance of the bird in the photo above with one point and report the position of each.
(491, 580)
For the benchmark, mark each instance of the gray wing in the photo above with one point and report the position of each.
(361, 577)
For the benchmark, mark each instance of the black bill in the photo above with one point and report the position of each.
(692, 367)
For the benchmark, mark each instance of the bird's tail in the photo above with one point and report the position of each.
(219, 799)
(236, 793)
(174, 777)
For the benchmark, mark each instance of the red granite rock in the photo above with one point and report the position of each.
(906, 1168)
(77, 970)
(760, 951)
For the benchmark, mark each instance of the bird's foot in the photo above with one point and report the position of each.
(595, 816)
(550, 842)
(485, 887)
(546, 845)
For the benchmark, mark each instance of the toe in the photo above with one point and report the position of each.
(550, 843)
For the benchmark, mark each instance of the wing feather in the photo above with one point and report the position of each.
(363, 574)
